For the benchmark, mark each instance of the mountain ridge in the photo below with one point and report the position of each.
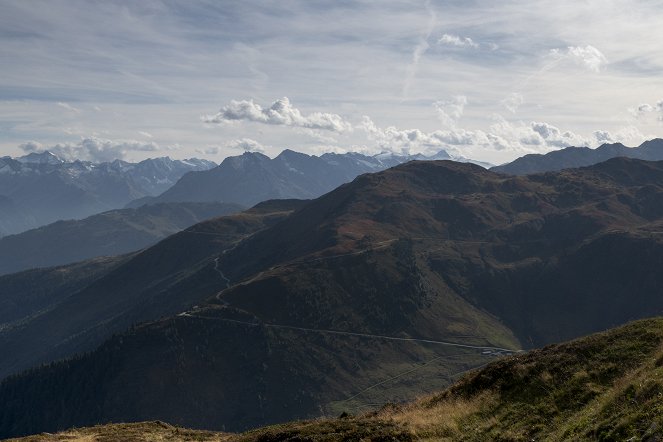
(48, 189)
(573, 157)
(253, 177)
(109, 233)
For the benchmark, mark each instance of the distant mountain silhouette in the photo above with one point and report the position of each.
(383, 289)
(109, 233)
(571, 157)
(44, 188)
(253, 177)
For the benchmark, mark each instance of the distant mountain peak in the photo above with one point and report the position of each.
(45, 157)
(573, 157)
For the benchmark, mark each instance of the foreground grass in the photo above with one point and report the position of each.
(136, 432)
(607, 386)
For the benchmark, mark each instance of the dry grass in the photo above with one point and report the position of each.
(430, 419)
(138, 432)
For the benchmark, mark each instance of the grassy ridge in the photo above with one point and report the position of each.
(608, 386)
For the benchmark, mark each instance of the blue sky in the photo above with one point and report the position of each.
(483, 79)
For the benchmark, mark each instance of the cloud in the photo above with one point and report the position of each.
(513, 102)
(629, 135)
(456, 41)
(93, 149)
(404, 141)
(646, 108)
(32, 146)
(450, 111)
(555, 137)
(246, 144)
(280, 113)
(69, 107)
(145, 134)
(460, 42)
(502, 136)
(419, 50)
(586, 56)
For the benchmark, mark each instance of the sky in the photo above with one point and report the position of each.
(487, 80)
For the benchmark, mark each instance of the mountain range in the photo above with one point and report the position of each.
(295, 309)
(40, 188)
(254, 177)
(109, 233)
(571, 157)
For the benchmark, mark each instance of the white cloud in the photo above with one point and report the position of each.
(513, 102)
(405, 141)
(450, 111)
(457, 41)
(419, 50)
(281, 113)
(93, 149)
(553, 136)
(69, 107)
(502, 136)
(586, 56)
(646, 108)
(629, 135)
(145, 134)
(246, 144)
(32, 146)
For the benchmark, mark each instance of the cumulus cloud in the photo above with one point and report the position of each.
(281, 113)
(521, 137)
(93, 149)
(246, 144)
(553, 136)
(586, 56)
(646, 108)
(405, 141)
(629, 135)
(513, 102)
(457, 41)
(450, 111)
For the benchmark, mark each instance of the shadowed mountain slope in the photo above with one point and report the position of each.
(145, 285)
(110, 233)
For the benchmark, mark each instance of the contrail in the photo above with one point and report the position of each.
(419, 50)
